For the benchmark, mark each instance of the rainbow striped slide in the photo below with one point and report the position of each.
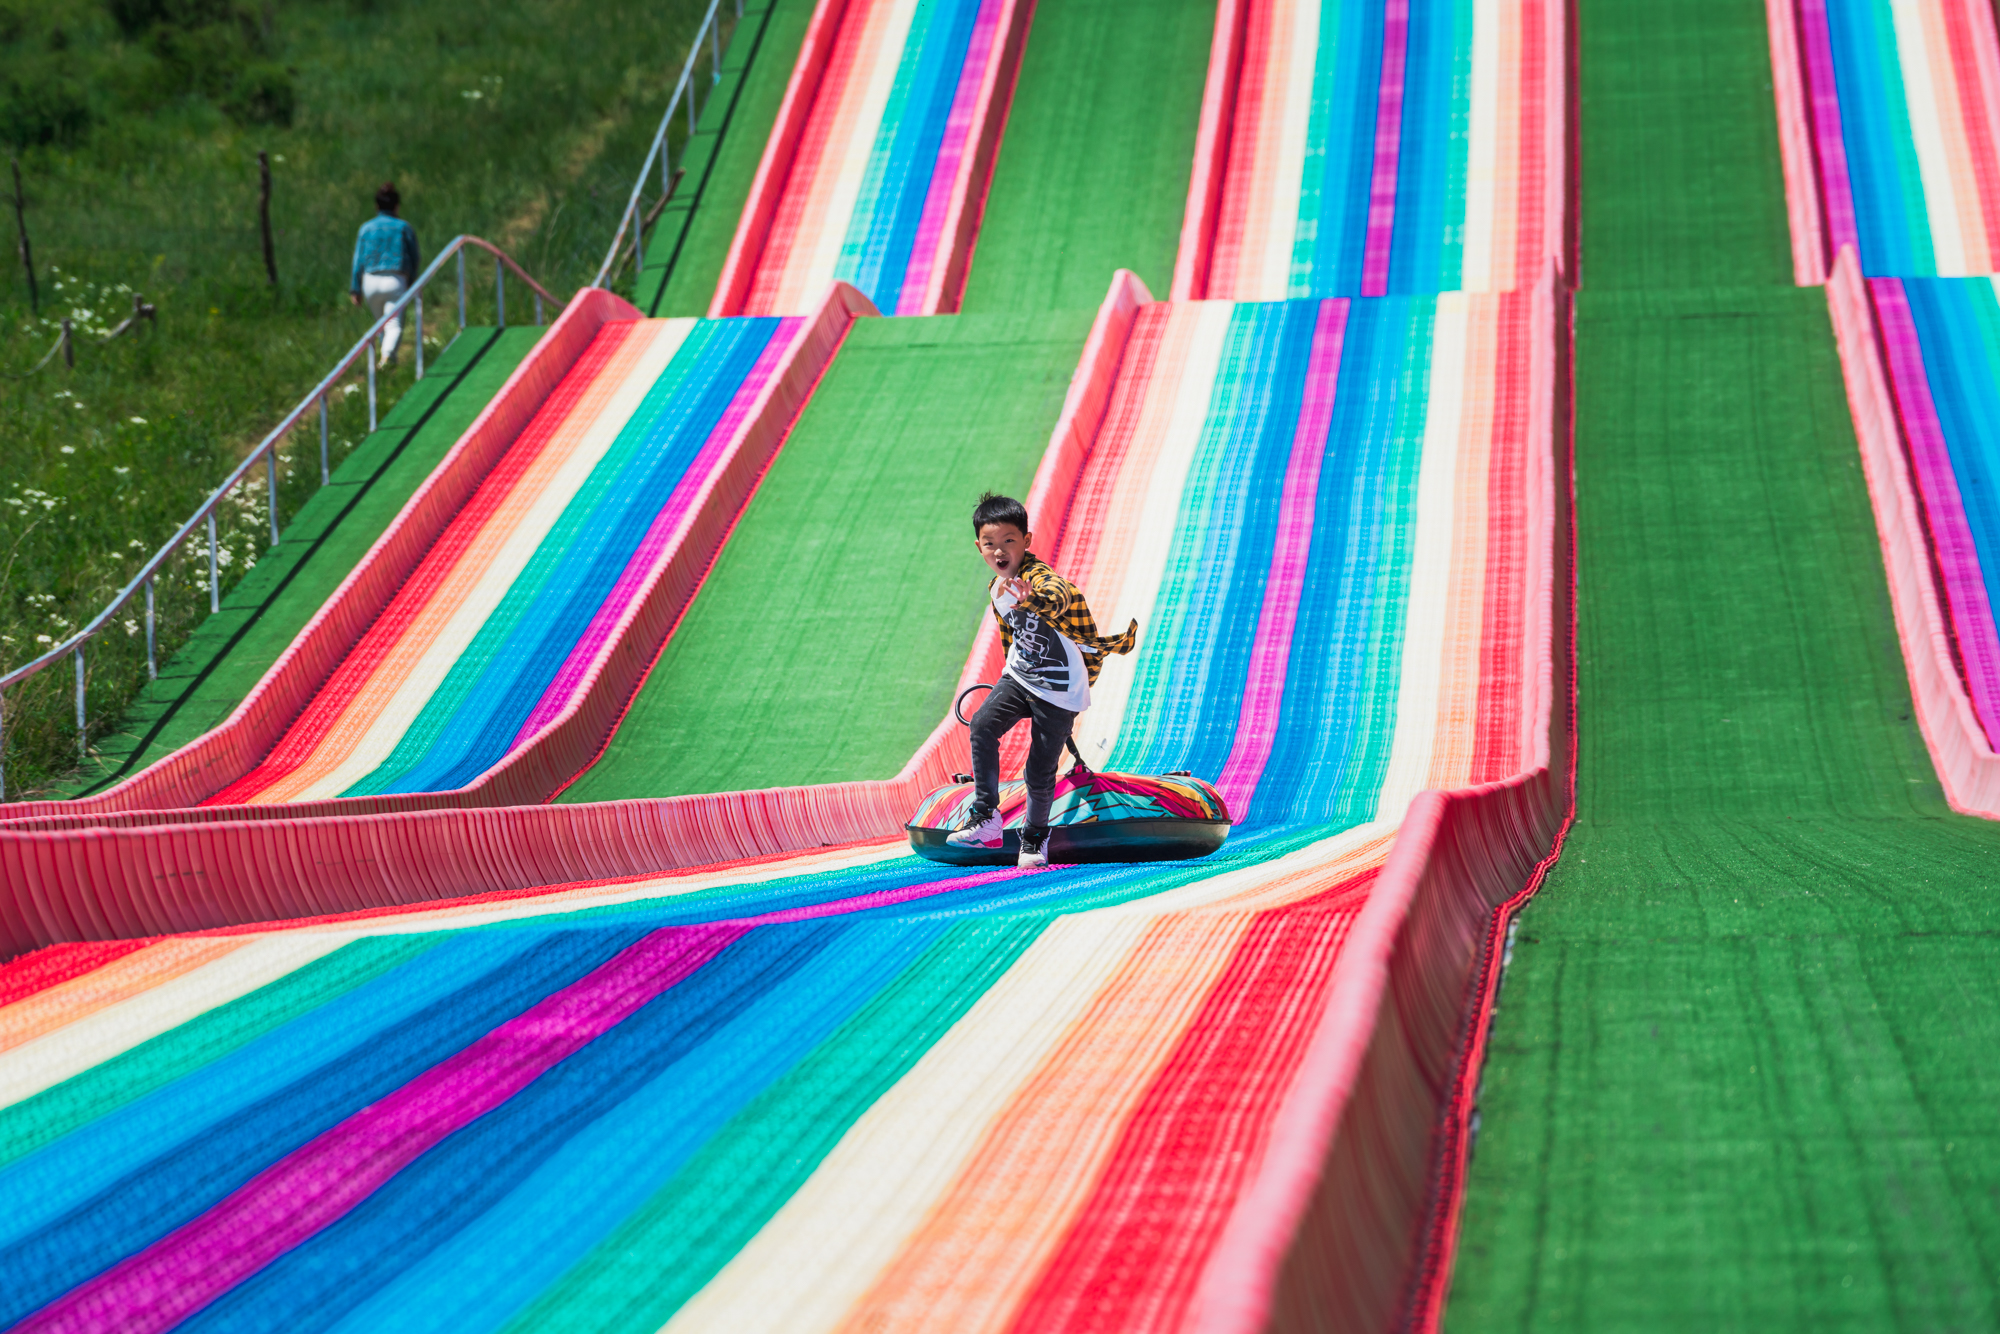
(496, 631)
(849, 1089)
(876, 172)
(1371, 147)
(1890, 111)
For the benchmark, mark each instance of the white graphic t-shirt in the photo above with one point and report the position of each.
(1047, 664)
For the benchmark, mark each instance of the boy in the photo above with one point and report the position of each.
(1053, 655)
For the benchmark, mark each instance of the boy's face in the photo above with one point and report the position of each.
(1003, 547)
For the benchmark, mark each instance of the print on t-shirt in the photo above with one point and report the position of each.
(1042, 660)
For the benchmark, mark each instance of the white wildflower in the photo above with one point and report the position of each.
(223, 556)
(121, 471)
(137, 421)
(43, 639)
(131, 628)
(69, 449)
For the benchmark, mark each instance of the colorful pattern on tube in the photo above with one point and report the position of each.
(1904, 106)
(516, 602)
(851, 1089)
(1391, 146)
(867, 195)
(1941, 339)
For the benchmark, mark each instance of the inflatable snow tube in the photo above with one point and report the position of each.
(1094, 817)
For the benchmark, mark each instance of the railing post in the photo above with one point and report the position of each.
(152, 661)
(214, 584)
(271, 482)
(539, 320)
(418, 305)
(82, 741)
(461, 287)
(3, 746)
(690, 98)
(714, 52)
(499, 292)
(325, 472)
(638, 252)
(369, 358)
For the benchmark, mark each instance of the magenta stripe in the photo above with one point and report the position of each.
(664, 533)
(1388, 149)
(1952, 548)
(951, 154)
(317, 1184)
(1836, 191)
(1264, 690)
(880, 899)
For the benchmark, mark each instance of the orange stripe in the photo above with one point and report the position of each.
(119, 980)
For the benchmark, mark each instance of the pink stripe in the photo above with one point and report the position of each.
(1388, 150)
(1944, 511)
(1836, 190)
(1264, 691)
(951, 154)
(880, 899)
(314, 1186)
(663, 534)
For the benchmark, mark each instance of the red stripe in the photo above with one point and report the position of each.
(1972, 105)
(1496, 749)
(23, 977)
(1094, 489)
(361, 663)
(1132, 1257)
(1239, 177)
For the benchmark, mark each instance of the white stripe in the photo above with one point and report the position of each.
(74, 1048)
(1921, 95)
(519, 545)
(1097, 728)
(822, 1251)
(1481, 169)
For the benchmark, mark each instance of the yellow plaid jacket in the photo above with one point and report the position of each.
(1057, 601)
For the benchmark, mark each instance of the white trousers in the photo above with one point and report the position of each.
(381, 291)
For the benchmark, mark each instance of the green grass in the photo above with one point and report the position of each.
(1093, 172)
(519, 122)
(1737, 1077)
(826, 641)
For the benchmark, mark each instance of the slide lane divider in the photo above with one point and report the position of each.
(1967, 766)
(129, 874)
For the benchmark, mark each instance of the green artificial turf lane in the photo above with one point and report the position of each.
(230, 652)
(686, 248)
(1093, 171)
(826, 641)
(1738, 1075)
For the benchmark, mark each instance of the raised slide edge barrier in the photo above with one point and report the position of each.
(553, 758)
(1967, 767)
(130, 876)
(968, 193)
(1803, 204)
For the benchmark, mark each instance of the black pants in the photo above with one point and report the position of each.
(1006, 704)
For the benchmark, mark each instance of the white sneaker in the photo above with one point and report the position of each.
(985, 834)
(1034, 852)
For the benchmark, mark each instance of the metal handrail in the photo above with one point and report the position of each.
(267, 452)
(712, 30)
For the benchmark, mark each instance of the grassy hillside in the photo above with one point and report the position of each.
(137, 125)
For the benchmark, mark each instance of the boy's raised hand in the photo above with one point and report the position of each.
(1019, 587)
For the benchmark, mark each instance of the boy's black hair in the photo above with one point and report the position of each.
(996, 508)
(388, 199)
